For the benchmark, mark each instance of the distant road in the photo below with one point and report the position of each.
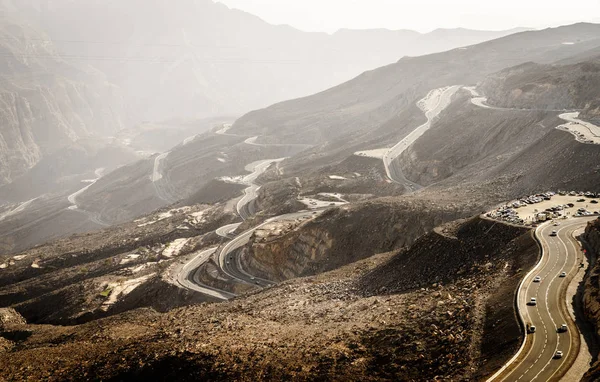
(432, 105)
(584, 132)
(92, 216)
(245, 206)
(161, 183)
(561, 253)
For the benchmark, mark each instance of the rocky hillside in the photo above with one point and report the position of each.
(87, 276)
(546, 87)
(329, 325)
(591, 291)
(374, 98)
(344, 235)
(46, 104)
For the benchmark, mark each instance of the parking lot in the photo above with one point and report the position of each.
(534, 209)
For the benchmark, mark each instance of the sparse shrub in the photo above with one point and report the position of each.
(105, 293)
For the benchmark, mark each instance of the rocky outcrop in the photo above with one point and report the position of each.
(341, 236)
(591, 112)
(547, 87)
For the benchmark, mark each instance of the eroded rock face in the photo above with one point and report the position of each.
(342, 236)
(46, 103)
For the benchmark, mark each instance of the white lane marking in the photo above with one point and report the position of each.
(554, 244)
(559, 310)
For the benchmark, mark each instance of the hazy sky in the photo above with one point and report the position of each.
(421, 15)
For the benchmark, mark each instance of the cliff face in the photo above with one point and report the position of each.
(45, 103)
(342, 236)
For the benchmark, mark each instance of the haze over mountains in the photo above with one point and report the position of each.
(190, 193)
(373, 110)
(170, 65)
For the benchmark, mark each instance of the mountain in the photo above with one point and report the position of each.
(375, 97)
(46, 103)
(320, 133)
(200, 58)
(548, 87)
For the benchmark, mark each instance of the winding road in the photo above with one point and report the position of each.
(245, 206)
(188, 279)
(226, 257)
(92, 216)
(536, 360)
(432, 105)
(584, 132)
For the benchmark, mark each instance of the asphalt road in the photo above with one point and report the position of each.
(228, 257)
(392, 168)
(188, 278)
(226, 230)
(245, 206)
(162, 185)
(92, 216)
(561, 253)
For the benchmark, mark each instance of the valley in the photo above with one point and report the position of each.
(432, 217)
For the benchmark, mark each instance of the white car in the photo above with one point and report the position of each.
(563, 274)
(563, 328)
(553, 233)
(558, 354)
(537, 279)
(533, 301)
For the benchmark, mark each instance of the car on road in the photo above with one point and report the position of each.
(558, 354)
(553, 233)
(563, 328)
(532, 302)
(563, 274)
(556, 224)
(537, 279)
(580, 200)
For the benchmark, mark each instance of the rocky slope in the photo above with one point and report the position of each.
(591, 291)
(46, 104)
(374, 98)
(536, 86)
(87, 276)
(344, 235)
(306, 329)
